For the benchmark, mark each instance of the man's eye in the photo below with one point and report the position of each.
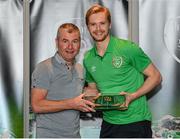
(75, 41)
(92, 24)
(65, 41)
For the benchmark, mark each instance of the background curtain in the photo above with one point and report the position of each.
(159, 36)
(11, 68)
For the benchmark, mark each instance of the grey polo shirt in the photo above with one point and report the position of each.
(61, 83)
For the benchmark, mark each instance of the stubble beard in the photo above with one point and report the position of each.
(101, 39)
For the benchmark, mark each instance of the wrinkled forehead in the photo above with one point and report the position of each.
(70, 31)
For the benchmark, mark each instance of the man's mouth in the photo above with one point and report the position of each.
(70, 52)
(98, 33)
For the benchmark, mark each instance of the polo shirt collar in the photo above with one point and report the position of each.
(109, 47)
(59, 59)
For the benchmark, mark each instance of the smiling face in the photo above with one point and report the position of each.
(98, 21)
(99, 26)
(68, 43)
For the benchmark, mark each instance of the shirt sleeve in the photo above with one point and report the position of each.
(139, 59)
(88, 77)
(40, 77)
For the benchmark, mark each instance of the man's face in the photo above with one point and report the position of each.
(99, 26)
(68, 44)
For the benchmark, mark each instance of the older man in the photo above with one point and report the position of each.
(56, 88)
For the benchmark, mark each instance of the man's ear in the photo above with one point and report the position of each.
(56, 41)
(110, 26)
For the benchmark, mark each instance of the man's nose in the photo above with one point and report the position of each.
(98, 27)
(70, 46)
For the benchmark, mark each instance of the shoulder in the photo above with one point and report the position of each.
(124, 43)
(45, 63)
(88, 57)
(88, 53)
(44, 66)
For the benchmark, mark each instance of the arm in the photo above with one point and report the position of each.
(153, 79)
(41, 105)
(91, 92)
(92, 85)
(91, 89)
